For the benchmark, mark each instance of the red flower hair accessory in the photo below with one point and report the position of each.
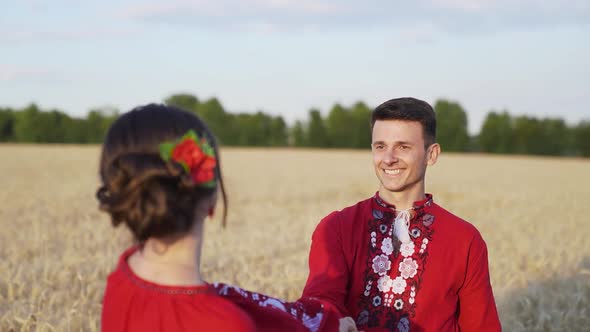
(195, 155)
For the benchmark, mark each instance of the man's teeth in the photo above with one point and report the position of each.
(392, 171)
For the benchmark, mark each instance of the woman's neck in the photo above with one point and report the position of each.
(170, 261)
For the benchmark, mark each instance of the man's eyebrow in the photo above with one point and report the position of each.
(394, 143)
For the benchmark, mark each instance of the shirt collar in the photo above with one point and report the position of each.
(427, 201)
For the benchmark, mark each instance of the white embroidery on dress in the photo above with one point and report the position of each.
(272, 302)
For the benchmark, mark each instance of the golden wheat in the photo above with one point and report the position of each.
(56, 249)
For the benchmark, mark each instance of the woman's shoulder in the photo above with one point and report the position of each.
(143, 305)
(152, 311)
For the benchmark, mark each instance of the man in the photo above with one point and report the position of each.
(398, 261)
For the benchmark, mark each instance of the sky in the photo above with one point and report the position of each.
(283, 57)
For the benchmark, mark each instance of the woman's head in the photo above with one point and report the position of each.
(140, 188)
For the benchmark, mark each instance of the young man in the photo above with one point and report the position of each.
(398, 261)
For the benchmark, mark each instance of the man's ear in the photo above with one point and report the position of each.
(432, 154)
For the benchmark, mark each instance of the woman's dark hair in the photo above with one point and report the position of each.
(408, 109)
(154, 198)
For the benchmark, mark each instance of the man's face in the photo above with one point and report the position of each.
(399, 156)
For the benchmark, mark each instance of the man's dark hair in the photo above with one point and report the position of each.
(408, 109)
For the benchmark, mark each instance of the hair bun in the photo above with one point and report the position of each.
(147, 194)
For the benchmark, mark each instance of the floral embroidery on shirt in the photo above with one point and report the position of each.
(381, 264)
(407, 249)
(408, 268)
(394, 267)
(387, 246)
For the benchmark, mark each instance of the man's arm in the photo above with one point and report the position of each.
(328, 270)
(477, 308)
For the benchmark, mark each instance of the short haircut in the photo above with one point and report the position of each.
(408, 109)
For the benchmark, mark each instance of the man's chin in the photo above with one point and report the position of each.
(392, 188)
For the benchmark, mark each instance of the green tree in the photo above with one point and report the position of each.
(185, 101)
(245, 130)
(582, 138)
(360, 126)
(278, 132)
(338, 127)
(451, 123)
(27, 124)
(259, 129)
(76, 131)
(317, 136)
(556, 137)
(95, 131)
(53, 126)
(212, 112)
(528, 135)
(298, 135)
(6, 125)
(35, 126)
(496, 135)
(98, 122)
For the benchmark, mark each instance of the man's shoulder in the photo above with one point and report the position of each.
(454, 224)
(343, 223)
(347, 214)
(343, 220)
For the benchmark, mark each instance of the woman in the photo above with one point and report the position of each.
(160, 176)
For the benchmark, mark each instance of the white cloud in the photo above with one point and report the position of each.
(465, 5)
(310, 6)
(16, 35)
(506, 5)
(249, 14)
(10, 73)
(228, 8)
(453, 16)
(421, 32)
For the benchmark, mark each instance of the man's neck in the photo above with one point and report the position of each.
(402, 200)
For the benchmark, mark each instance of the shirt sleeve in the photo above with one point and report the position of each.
(328, 269)
(477, 308)
(273, 314)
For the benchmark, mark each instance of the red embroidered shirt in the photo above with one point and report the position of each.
(438, 281)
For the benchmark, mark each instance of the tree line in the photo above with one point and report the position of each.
(342, 127)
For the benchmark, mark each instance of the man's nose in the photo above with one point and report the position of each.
(390, 157)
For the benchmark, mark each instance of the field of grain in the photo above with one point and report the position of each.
(56, 249)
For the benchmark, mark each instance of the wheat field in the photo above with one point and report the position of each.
(56, 248)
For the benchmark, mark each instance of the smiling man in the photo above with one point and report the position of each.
(398, 261)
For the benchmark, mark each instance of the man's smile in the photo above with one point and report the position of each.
(395, 171)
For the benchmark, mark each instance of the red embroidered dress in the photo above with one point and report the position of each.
(438, 281)
(133, 304)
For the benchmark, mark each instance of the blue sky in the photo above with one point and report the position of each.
(286, 56)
